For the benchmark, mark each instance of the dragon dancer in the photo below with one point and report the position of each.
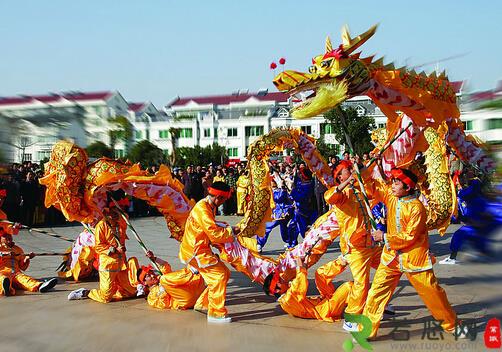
(355, 237)
(406, 250)
(110, 236)
(172, 289)
(295, 301)
(202, 230)
(13, 261)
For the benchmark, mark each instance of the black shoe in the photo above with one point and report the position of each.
(6, 287)
(47, 285)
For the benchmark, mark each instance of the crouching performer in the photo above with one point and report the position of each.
(296, 302)
(13, 261)
(114, 283)
(173, 289)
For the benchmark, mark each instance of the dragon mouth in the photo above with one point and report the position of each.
(312, 94)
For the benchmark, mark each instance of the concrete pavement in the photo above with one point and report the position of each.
(48, 322)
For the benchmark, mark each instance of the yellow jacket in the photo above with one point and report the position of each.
(407, 239)
(176, 290)
(296, 302)
(11, 264)
(201, 231)
(105, 240)
(354, 224)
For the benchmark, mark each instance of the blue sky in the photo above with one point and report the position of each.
(155, 50)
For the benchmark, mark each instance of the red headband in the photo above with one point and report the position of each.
(3, 193)
(344, 164)
(399, 174)
(217, 192)
(145, 270)
(273, 282)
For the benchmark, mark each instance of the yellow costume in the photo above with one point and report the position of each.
(325, 274)
(218, 179)
(406, 251)
(243, 183)
(114, 281)
(355, 242)
(176, 290)
(200, 231)
(296, 302)
(83, 267)
(11, 267)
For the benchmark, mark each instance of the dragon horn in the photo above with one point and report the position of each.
(329, 47)
(351, 44)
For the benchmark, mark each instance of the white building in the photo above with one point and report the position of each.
(236, 120)
(32, 124)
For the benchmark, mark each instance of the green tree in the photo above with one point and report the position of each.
(493, 104)
(358, 128)
(121, 129)
(197, 155)
(146, 153)
(98, 149)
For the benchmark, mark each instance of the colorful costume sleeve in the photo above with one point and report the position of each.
(204, 217)
(335, 197)
(300, 284)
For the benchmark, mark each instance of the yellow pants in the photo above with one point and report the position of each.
(20, 281)
(360, 261)
(325, 274)
(113, 286)
(424, 282)
(216, 278)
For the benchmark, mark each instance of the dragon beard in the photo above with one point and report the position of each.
(328, 96)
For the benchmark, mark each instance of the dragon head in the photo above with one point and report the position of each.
(334, 76)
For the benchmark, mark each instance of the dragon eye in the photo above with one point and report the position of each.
(312, 69)
(326, 63)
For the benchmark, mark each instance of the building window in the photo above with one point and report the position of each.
(138, 135)
(494, 124)
(253, 131)
(215, 132)
(283, 113)
(186, 133)
(231, 132)
(233, 152)
(119, 153)
(207, 132)
(327, 128)
(467, 125)
(42, 154)
(27, 157)
(381, 125)
(164, 134)
(307, 129)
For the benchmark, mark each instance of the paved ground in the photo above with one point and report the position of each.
(48, 322)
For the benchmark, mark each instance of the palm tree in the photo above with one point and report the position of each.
(121, 130)
(175, 134)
